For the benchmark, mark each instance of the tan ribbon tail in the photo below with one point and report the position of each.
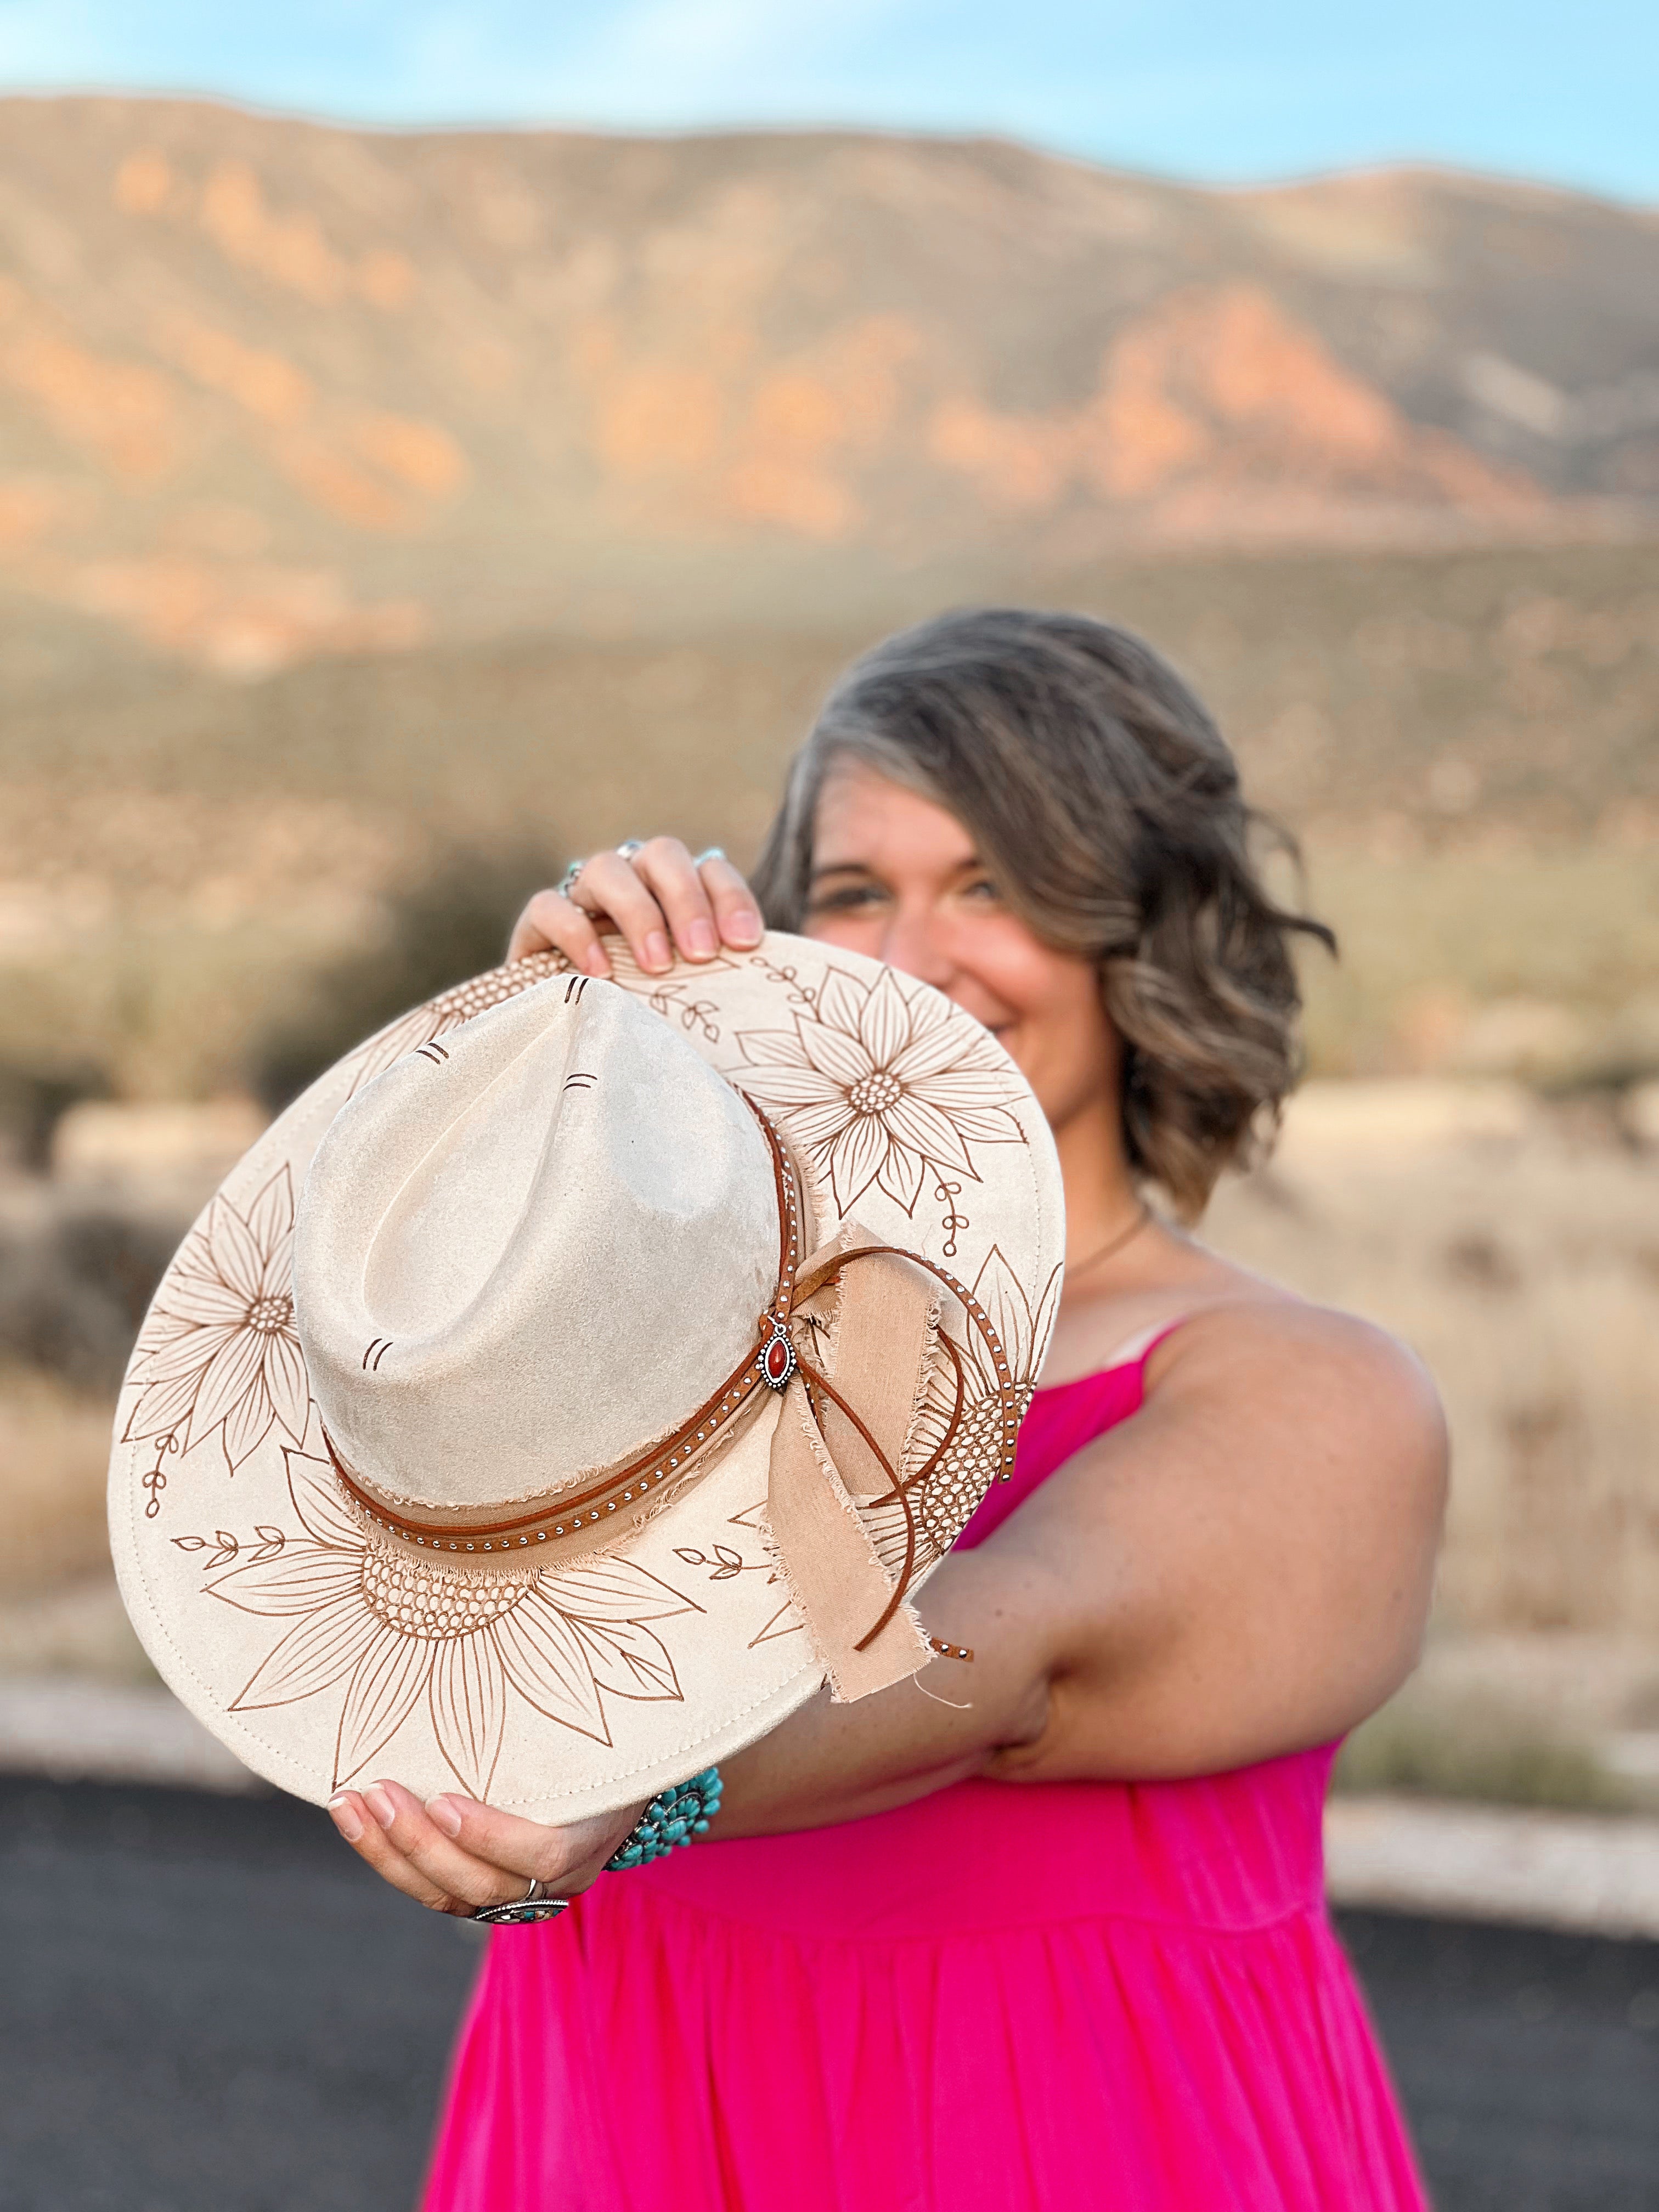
(829, 1566)
(885, 1332)
(886, 1335)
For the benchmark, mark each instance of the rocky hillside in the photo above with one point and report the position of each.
(269, 389)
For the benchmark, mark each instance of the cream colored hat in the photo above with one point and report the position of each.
(579, 1374)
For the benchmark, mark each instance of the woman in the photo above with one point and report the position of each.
(1058, 1938)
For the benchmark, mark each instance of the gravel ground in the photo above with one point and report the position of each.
(209, 2007)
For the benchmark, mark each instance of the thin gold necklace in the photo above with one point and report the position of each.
(1143, 1215)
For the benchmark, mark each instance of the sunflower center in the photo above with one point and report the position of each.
(419, 1598)
(875, 1092)
(271, 1316)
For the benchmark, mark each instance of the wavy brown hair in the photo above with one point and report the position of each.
(1104, 800)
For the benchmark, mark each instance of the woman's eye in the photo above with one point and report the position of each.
(981, 889)
(849, 899)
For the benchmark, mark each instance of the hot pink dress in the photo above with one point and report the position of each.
(1002, 1998)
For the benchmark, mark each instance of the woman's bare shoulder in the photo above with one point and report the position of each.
(1342, 1380)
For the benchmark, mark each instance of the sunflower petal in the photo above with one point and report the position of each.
(248, 1423)
(316, 1653)
(855, 1159)
(613, 1589)
(629, 1659)
(271, 1216)
(235, 1256)
(204, 1298)
(233, 1369)
(926, 1130)
(467, 1691)
(161, 1408)
(845, 1059)
(988, 1125)
(771, 1048)
(548, 1665)
(792, 1085)
(885, 1027)
(302, 1577)
(385, 1690)
(818, 1127)
(937, 1042)
(320, 1503)
(285, 1379)
(276, 1276)
(190, 1352)
(840, 1001)
(955, 1090)
(901, 1177)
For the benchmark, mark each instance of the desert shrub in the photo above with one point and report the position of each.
(1478, 1746)
(74, 1285)
(35, 1096)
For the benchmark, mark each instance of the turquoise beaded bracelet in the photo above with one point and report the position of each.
(673, 1816)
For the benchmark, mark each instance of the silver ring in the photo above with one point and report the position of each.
(711, 853)
(568, 881)
(538, 1903)
(629, 847)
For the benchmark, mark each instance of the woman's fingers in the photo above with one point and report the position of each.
(368, 1836)
(611, 887)
(736, 916)
(568, 1859)
(659, 897)
(456, 1856)
(400, 1842)
(552, 923)
(669, 871)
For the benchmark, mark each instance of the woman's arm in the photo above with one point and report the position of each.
(1243, 1570)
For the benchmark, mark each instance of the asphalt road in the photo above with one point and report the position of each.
(207, 2006)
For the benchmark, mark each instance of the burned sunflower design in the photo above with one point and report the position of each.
(401, 1631)
(880, 1085)
(220, 1350)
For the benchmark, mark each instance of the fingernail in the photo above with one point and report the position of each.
(380, 1805)
(656, 954)
(594, 962)
(344, 1818)
(745, 927)
(699, 938)
(444, 1815)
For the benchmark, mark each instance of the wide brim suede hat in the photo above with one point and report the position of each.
(581, 1374)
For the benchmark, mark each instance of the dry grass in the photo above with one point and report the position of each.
(1524, 1267)
(54, 1463)
(1466, 740)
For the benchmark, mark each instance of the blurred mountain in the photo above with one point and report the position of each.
(268, 390)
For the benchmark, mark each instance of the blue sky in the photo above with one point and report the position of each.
(1211, 89)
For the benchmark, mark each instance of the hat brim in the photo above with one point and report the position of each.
(256, 1590)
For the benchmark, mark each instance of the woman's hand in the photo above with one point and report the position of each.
(652, 895)
(456, 1856)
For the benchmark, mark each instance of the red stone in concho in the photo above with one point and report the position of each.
(779, 1363)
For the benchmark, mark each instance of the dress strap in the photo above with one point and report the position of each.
(1137, 1350)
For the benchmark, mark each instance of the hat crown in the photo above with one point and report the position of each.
(529, 1254)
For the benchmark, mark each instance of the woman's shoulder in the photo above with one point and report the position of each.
(1209, 1331)
(1348, 1385)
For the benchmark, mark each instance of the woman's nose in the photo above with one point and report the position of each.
(915, 944)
